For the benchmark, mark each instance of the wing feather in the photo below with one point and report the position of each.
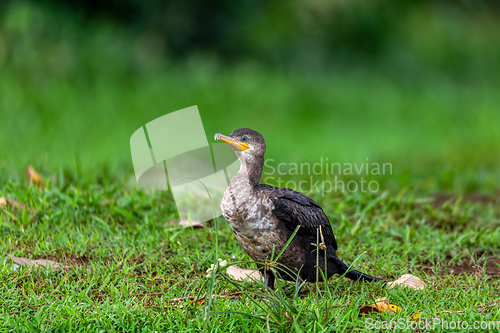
(294, 208)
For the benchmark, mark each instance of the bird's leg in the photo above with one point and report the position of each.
(298, 286)
(269, 279)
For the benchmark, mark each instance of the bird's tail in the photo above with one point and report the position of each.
(357, 275)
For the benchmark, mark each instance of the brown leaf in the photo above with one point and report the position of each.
(193, 224)
(35, 263)
(16, 206)
(241, 274)
(408, 280)
(21, 260)
(34, 177)
(380, 305)
(368, 309)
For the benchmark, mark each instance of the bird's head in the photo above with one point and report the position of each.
(247, 143)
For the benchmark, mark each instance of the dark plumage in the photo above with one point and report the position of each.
(263, 216)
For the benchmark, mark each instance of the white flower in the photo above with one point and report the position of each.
(210, 271)
(213, 268)
(222, 263)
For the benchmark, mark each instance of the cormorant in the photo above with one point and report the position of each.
(264, 217)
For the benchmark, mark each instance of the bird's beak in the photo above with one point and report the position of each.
(236, 144)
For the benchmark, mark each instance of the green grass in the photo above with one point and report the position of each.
(125, 261)
(70, 99)
(53, 121)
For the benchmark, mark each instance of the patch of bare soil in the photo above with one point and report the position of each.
(492, 267)
(440, 199)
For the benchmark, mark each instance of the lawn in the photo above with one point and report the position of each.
(127, 266)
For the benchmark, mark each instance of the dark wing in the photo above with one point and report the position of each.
(294, 208)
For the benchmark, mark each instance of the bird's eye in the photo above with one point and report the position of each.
(244, 138)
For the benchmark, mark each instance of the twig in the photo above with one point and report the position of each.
(180, 299)
(449, 312)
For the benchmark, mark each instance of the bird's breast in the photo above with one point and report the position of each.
(252, 221)
(247, 212)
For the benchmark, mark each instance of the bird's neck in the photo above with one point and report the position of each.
(250, 172)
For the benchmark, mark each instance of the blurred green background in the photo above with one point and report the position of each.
(412, 83)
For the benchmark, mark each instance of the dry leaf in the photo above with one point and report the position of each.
(241, 274)
(34, 177)
(15, 205)
(47, 263)
(35, 263)
(380, 305)
(408, 280)
(193, 224)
